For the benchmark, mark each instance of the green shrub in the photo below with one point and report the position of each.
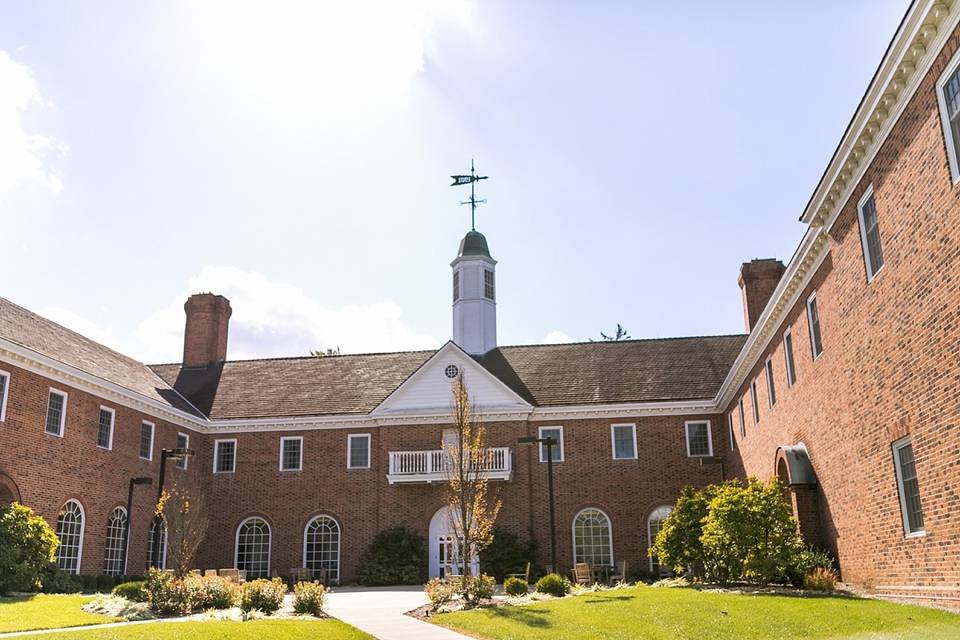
(554, 585)
(475, 589)
(262, 595)
(308, 598)
(54, 580)
(165, 594)
(439, 592)
(214, 593)
(27, 546)
(396, 556)
(821, 579)
(515, 586)
(133, 591)
(678, 545)
(506, 555)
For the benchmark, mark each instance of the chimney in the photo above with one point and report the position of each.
(205, 335)
(758, 279)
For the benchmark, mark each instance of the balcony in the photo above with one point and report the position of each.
(409, 467)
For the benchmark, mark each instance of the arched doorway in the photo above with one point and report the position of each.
(794, 469)
(445, 548)
(8, 490)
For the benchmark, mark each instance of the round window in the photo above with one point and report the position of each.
(452, 371)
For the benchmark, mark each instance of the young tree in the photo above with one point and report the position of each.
(27, 547)
(619, 334)
(473, 514)
(183, 510)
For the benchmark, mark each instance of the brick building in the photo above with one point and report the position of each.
(845, 386)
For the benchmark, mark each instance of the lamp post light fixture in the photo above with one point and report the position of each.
(177, 454)
(551, 443)
(126, 528)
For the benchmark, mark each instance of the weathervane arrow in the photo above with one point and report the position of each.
(459, 180)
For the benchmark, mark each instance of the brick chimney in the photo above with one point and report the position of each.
(205, 335)
(758, 278)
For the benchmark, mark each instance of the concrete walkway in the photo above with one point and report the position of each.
(379, 611)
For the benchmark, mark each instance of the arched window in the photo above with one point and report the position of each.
(153, 541)
(253, 548)
(70, 533)
(592, 539)
(654, 524)
(113, 554)
(321, 547)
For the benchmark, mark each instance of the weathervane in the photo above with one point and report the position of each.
(473, 202)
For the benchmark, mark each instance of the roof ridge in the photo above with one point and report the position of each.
(323, 357)
(609, 342)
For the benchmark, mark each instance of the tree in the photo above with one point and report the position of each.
(183, 510)
(619, 334)
(472, 514)
(678, 545)
(323, 354)
(27, 547)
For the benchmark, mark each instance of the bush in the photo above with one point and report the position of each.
(165, 594)
(506, 555)
(308, 598)
(439, 592)
(105, 583)
(515, 586)
(214, 593)
(262, 595)
(27, 546)
(554, 585)
(821, 579)
(396, 556)
(133, 591)
(475, 589)
(678, 543)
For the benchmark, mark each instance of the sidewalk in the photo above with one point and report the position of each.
(379, 611)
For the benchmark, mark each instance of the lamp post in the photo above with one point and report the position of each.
(177, 454)
(126, 528)
(550, 442)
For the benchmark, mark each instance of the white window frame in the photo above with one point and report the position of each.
(113, 421)
(863, 234)
(350, 438)
(733, 440)
(754, 404)
(573, 531)
(216, 454)
(283, 441)
(3, 396)
(789, 358)
(63, 413)
(945, 118)
(83, 526)
(743, 418)
(306, 528)
(812, 300)
(613, 440)
(896, 447)
(771, 386)
(185, 459)
(153, 436)
(686, 433)
(236, 538)
(663, 512)
(540, 445)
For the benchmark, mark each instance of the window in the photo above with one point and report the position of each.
(733, 441)
(456, 286)
(556, 450)
(451, 371)
(183, 442)
(908, 487)
(321, 548)
(754, 405)
(699, 440)
(624, 438)
(654, 524)
(253, 548)
(291, 454)
(870, 235)
(114, 557)
(743, 421)
(788, 357)
(105, 428)
(488, 284)
(813, 320)
(4, 388)
(358, 451)
(162, 526)
(771, 388)
(948, 95)
(592, 540)
(224, 456)
(56, 412)
(146, 440)
(70, 534)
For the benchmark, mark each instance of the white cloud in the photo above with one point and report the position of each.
(23, 156)
(556, 337)
(278, 319)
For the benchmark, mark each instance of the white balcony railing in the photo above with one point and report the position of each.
(434, 465)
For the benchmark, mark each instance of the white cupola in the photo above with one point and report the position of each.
(474, 296)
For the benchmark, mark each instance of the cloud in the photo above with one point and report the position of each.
(272, 319)
(556, 337)
(23, 156)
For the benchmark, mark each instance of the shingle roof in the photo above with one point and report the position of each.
(27, 329)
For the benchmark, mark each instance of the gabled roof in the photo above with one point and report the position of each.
(47, 338)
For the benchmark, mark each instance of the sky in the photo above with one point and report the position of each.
(295, 157)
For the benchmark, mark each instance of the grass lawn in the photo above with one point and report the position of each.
(663, 613)
(26, 613)
(328, 629)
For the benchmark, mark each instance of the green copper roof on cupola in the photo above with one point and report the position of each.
(474, 244)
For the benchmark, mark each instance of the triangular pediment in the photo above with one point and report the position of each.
(429, 389)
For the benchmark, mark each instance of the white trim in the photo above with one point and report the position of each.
(284, 440)
(733, 440)
(754, 405)
(686, 431)
(743, 418)
(113, 419)
(339, 538)
(236, 542)
(867, 195)
(948, 71)
(771, 385)
(613, 440)
(573, 531)
(153, 435)
(540, 445)
(896, 447)
(216, 454)
(350, 438)
(789, 358)
(83, 526)
(63, 413)
(186, 459)
(811, 301)
(3, 396)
